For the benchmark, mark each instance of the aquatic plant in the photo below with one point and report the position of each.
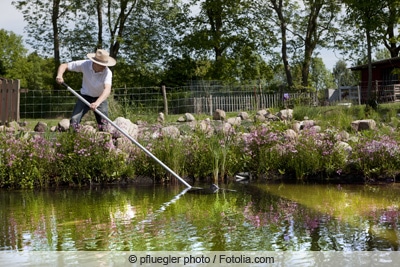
(25, 161)
(377, 155)
(74, 158)
(86, 158)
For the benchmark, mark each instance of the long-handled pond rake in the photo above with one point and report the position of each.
(129, 137)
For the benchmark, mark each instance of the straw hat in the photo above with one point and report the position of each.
(102, 57)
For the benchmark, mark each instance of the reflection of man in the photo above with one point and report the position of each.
(96, 84)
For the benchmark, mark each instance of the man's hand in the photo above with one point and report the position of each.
(93, 106)
(59, 79)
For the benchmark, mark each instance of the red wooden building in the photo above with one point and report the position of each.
(385, 83)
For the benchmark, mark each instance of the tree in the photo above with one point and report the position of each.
(220, 27)
(12, 56)
(118, 13)
(390, 32)
(44, 19)
(320, 77)
(281, 7)
(302, 27)
(367, 17)
(319, 17)
(179, 71)
(342, 75)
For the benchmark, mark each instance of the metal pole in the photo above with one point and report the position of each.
(129, 137)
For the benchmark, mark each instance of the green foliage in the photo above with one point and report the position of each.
(12, 56)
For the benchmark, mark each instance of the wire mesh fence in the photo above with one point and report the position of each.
(198, 100)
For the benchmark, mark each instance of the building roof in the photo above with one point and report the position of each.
(390, 62)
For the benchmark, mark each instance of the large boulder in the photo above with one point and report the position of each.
(63, 125)
(262, 112)
(170, 131)
(160, 118)
(189, 117)
(360, 125)
(40, 127)
(285, 114)
(219, 115)
(205, 126)
(234, 121)
(125, 124)
(244, 115)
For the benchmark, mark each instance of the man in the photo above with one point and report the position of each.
(96, 84)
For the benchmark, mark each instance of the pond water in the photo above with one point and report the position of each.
(267, 217)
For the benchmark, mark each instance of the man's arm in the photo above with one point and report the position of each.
(61, 69)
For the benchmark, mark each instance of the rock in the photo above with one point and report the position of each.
(262, 112)
(285, 114)
(14, 125)
(315, 129)
(63, 125)
(219, 115)
(40, 127)
(307, 124)
(224, 128)
(161, 118)
(360, 125)
(243, 115)
(259, 118)
(271, 117)
(234, 121)
(205, 126)
(89, 129)
(170, 131)
(342, 136)
(290, 134)
(343, 146)
(181, 119)
(189, 117)
(296, 126)
(125, 124)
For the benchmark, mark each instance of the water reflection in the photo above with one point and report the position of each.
(255, 217)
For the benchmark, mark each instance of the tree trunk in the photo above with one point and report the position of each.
(370, 97)
(310, 41)
(278, 7)
(214, 14)
(56, 39)
(99, 6)
(120, 24)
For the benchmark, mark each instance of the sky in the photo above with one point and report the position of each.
(12, 20)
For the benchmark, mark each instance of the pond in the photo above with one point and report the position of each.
(263, 217)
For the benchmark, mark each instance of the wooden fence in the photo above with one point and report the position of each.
(9, 103)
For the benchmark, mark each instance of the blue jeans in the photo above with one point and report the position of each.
(81, 109)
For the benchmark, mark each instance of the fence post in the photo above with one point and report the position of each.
(210, 104)
(164, 92)
(15, 103)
